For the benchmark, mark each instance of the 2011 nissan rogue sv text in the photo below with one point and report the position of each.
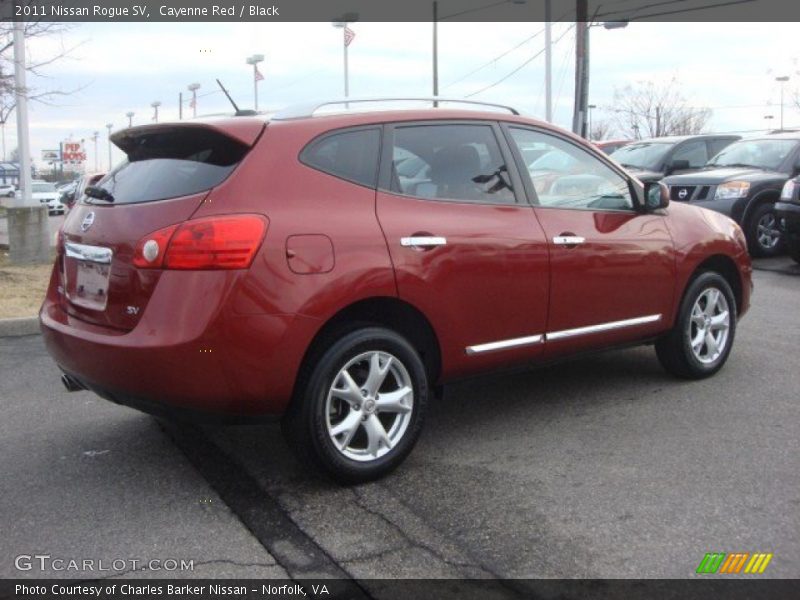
(301, 266)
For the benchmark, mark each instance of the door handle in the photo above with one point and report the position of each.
(422, 241)
(568, 240)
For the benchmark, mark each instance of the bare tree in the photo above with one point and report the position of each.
(36, 66)
(601, 130)
(649, 109)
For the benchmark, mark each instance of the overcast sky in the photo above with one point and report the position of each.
(119, 67)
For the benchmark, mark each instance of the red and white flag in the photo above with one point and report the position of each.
(258, 75)
(349, 35)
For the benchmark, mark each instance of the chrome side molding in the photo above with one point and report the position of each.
(560, 335)
(568, 333)
(505, 344)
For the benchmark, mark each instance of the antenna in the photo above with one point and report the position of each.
(239, 112)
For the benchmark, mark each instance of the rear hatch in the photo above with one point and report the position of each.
(168, 171)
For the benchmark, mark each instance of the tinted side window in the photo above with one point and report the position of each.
(567, 176)
(695, 152)
(450, 162)
(351, 155)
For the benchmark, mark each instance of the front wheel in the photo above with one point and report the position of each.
(360, 408)
(701, 340)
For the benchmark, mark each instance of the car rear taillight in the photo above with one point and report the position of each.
(228, 242)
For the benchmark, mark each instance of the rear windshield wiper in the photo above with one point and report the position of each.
(97, 192)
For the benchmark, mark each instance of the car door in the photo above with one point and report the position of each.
(612, 266)
(466, 247)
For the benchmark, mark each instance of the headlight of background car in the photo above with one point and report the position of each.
(788, 190)
(732, 190)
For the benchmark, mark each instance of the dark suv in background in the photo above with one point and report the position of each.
(743, 182)
(655, 158)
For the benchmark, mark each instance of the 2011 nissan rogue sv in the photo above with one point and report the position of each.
(291, 266)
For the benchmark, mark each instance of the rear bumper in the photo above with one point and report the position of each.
(196, 358)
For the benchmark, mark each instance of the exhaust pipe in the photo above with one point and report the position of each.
(71, 384)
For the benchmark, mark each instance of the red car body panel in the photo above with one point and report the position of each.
(234, 341)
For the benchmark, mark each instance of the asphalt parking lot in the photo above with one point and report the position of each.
(603, 467)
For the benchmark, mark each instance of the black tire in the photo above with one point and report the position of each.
(756, 248)
(306, 424)
(794, 252)
(674, 350)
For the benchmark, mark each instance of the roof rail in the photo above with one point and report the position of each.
(307, 109)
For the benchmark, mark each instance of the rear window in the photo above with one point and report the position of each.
(351, 155)
(169, 163)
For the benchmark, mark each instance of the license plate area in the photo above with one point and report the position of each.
(87, 270)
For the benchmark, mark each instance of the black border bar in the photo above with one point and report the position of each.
(394, 10)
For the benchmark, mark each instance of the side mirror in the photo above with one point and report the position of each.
(678, 165)
(656, 195)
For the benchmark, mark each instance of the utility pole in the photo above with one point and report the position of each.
(548, 60)
(581, 67)
(109, 126)
(435, 48)
(180, 106)
(94, 139)
(28, 228)
(782, 80)
(193, 87)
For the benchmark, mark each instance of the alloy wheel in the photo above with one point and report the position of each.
(369, 406)
(769, 234)
(709, 325)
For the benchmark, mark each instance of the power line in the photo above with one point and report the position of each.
(504, 54)
(519, 68)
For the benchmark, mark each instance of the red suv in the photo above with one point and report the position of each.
(337, 269)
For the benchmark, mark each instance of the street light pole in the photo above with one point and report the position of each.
(193, 87)
(95, 135)
(23, 139)
(782, 80)
(254, 60)
(548, 61)
(341, 23)
(155, 106)
(109, 126)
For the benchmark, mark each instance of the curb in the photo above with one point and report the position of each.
(20, 326)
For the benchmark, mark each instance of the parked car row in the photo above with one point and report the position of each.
(741, 178)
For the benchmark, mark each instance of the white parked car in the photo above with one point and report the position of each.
(7, 190)
(46, 192)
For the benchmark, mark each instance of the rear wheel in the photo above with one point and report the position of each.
(360, 408)
(763, 232)
(701, 340)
